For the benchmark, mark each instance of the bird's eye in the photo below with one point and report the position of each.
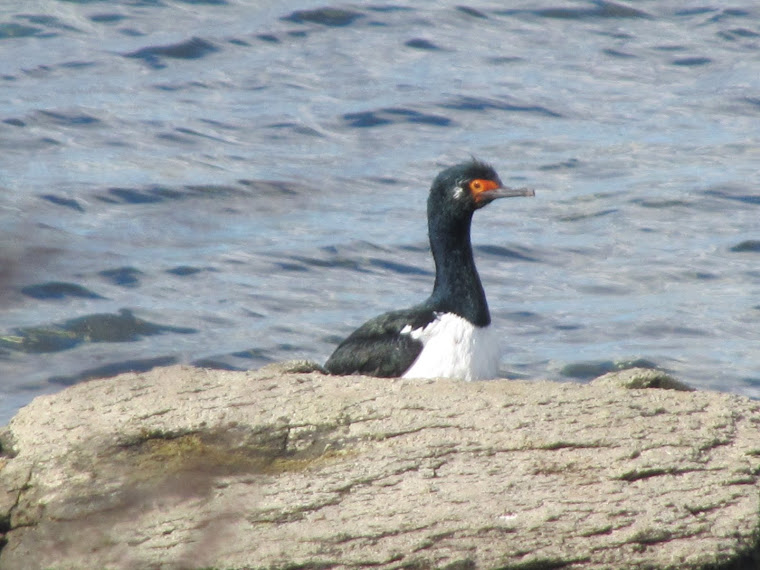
(476, 186)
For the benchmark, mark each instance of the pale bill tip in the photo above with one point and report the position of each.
(507, 192)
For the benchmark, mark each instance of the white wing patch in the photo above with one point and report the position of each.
(452, 347)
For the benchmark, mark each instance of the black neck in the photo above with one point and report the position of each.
(457, 286)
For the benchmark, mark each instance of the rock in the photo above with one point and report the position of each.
(637, 378)
(190, 468)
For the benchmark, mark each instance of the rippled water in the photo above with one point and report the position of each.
(231, 182)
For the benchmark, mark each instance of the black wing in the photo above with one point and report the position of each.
(378, 348)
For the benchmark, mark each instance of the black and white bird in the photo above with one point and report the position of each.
(448, 335)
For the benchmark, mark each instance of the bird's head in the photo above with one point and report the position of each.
(469, 186)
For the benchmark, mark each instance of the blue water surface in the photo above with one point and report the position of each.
(234, 182)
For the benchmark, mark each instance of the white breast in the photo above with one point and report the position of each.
(454, 348)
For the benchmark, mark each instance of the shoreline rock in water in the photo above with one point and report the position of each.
(285, 467)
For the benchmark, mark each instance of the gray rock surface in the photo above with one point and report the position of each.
(191, 468)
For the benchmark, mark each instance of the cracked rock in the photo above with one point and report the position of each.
(287, 467)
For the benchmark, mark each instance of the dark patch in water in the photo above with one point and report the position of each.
(253, 353)
(132, 196)
(501, 251)
(730, 13)
(745, 198)
(691, 61)
(419, 43)
(365, 119)
(184, 270)
(415, 248)
(131, 32)
(122, 276)
(618, 54)
(274, 188)
(568, 327)
(333, 17)
(694, 11)
(239, 361)
(39, 71)
(252, 314)
(296, 128)
(388, 8)
(670, 48)
(269, 38)
(107, 18)
(590, 370)
(468, 103)
(388, 116)
(194, 133)
(398, 267)
(668, 330)
(659, 204)
(211, 190)
(586, 216)
(71, 119)
(124, 327)
(598, 9)
(85, 1)
(220, 124)
(173, 137)
(737, 34)
(49, 21)
(194, 48)
(597, 290)
(12, 30)
(564, 165)
(114, 369)
(58, 290)
(503, 59)
(472, 12)
(388, 180)
(704, 276)
(77, 64)
(411, 116)
(59, 201)
(284, 266)
(335, 262)
(33, 340)
(161, 193)
(15, 122)
(522, 316)
(752, 381)
(750, 245)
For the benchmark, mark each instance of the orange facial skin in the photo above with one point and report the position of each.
(479, 185)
